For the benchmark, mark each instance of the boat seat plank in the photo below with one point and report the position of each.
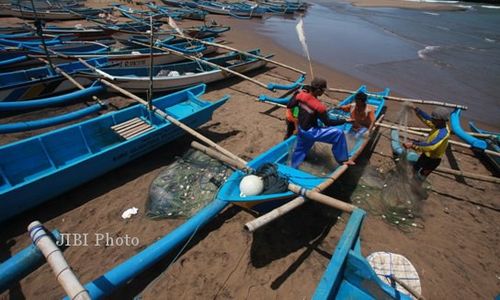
(124, 124)
(131, 128)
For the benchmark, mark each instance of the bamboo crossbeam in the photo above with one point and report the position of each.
(65, 276)
(194, 58)
(468, 175)
(131, 121)
(243, 52)
(476, 134)
(400, 99)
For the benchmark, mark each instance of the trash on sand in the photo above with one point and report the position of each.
(129, 213)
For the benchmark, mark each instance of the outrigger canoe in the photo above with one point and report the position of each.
(348, 274)
(181, 75)
(280, 155)
(44, 166)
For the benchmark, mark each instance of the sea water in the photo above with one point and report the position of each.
(452, 56)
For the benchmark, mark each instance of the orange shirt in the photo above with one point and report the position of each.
(361, 118)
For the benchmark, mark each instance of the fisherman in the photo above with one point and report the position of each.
(292, 113)
(363, 115)
(435, 146)
(309, 131)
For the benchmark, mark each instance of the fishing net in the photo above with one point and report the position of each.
(273, 181)
(391, 191)
(185, 186)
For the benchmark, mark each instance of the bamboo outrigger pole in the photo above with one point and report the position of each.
(476, 134)
(68, 280)
(194, 58)
(243, 52)
(429, 102)
(460, 144)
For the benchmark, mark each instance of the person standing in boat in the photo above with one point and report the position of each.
(363, 115)
(310, 111)
(434, 147)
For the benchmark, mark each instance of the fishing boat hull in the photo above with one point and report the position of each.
(492, 145)
(457, 129)
(349, 275)
(232, 11)
(138, 81)
(41, 82)
(280, 156)
(44, 166)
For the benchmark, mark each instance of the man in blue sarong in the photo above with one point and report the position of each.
(311, 110)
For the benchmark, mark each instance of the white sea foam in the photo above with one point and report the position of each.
(490, 6)
(489, 40)
(431, 13)
(422, 53)
(465, 6)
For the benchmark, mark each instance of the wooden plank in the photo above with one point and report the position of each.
(117, 126)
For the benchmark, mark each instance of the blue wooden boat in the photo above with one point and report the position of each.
(44, 166)
(493, 145)
(232, 10)
(183, 13)
(92, 90)
(457, 129)
(42, 81)
(143, 260)
(280, 154)
(349, 275)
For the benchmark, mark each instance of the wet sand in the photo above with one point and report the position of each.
(456, 253)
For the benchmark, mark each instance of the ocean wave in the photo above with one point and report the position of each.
(489, 40)
(490, 6)
(465, 6)
(422, 53)
(430, 13)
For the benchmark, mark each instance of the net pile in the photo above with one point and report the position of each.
(185, 186)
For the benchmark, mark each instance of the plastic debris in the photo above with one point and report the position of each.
(129, 213)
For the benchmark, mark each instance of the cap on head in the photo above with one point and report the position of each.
(440, 113)
(361, 97)
(318, 83)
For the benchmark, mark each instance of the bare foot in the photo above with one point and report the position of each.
(349, 163)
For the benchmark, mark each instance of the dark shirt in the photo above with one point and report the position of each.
(311, 110)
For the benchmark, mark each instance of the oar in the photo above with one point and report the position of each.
(194, 58)
(460, 144)
(100, 72)
(243, 52)
(429, 102)
(287, 207)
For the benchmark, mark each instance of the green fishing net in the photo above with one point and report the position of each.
(185, 186)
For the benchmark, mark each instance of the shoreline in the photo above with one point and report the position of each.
(406, 5)
(286, 259)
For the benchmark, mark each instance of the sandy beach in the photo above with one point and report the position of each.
(455, 249)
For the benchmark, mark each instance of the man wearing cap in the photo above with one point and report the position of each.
(310, 111)
(435, 146)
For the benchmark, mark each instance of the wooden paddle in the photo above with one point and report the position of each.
(429, 102)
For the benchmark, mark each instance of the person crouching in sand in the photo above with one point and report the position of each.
(434, 147)
(311, 110)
